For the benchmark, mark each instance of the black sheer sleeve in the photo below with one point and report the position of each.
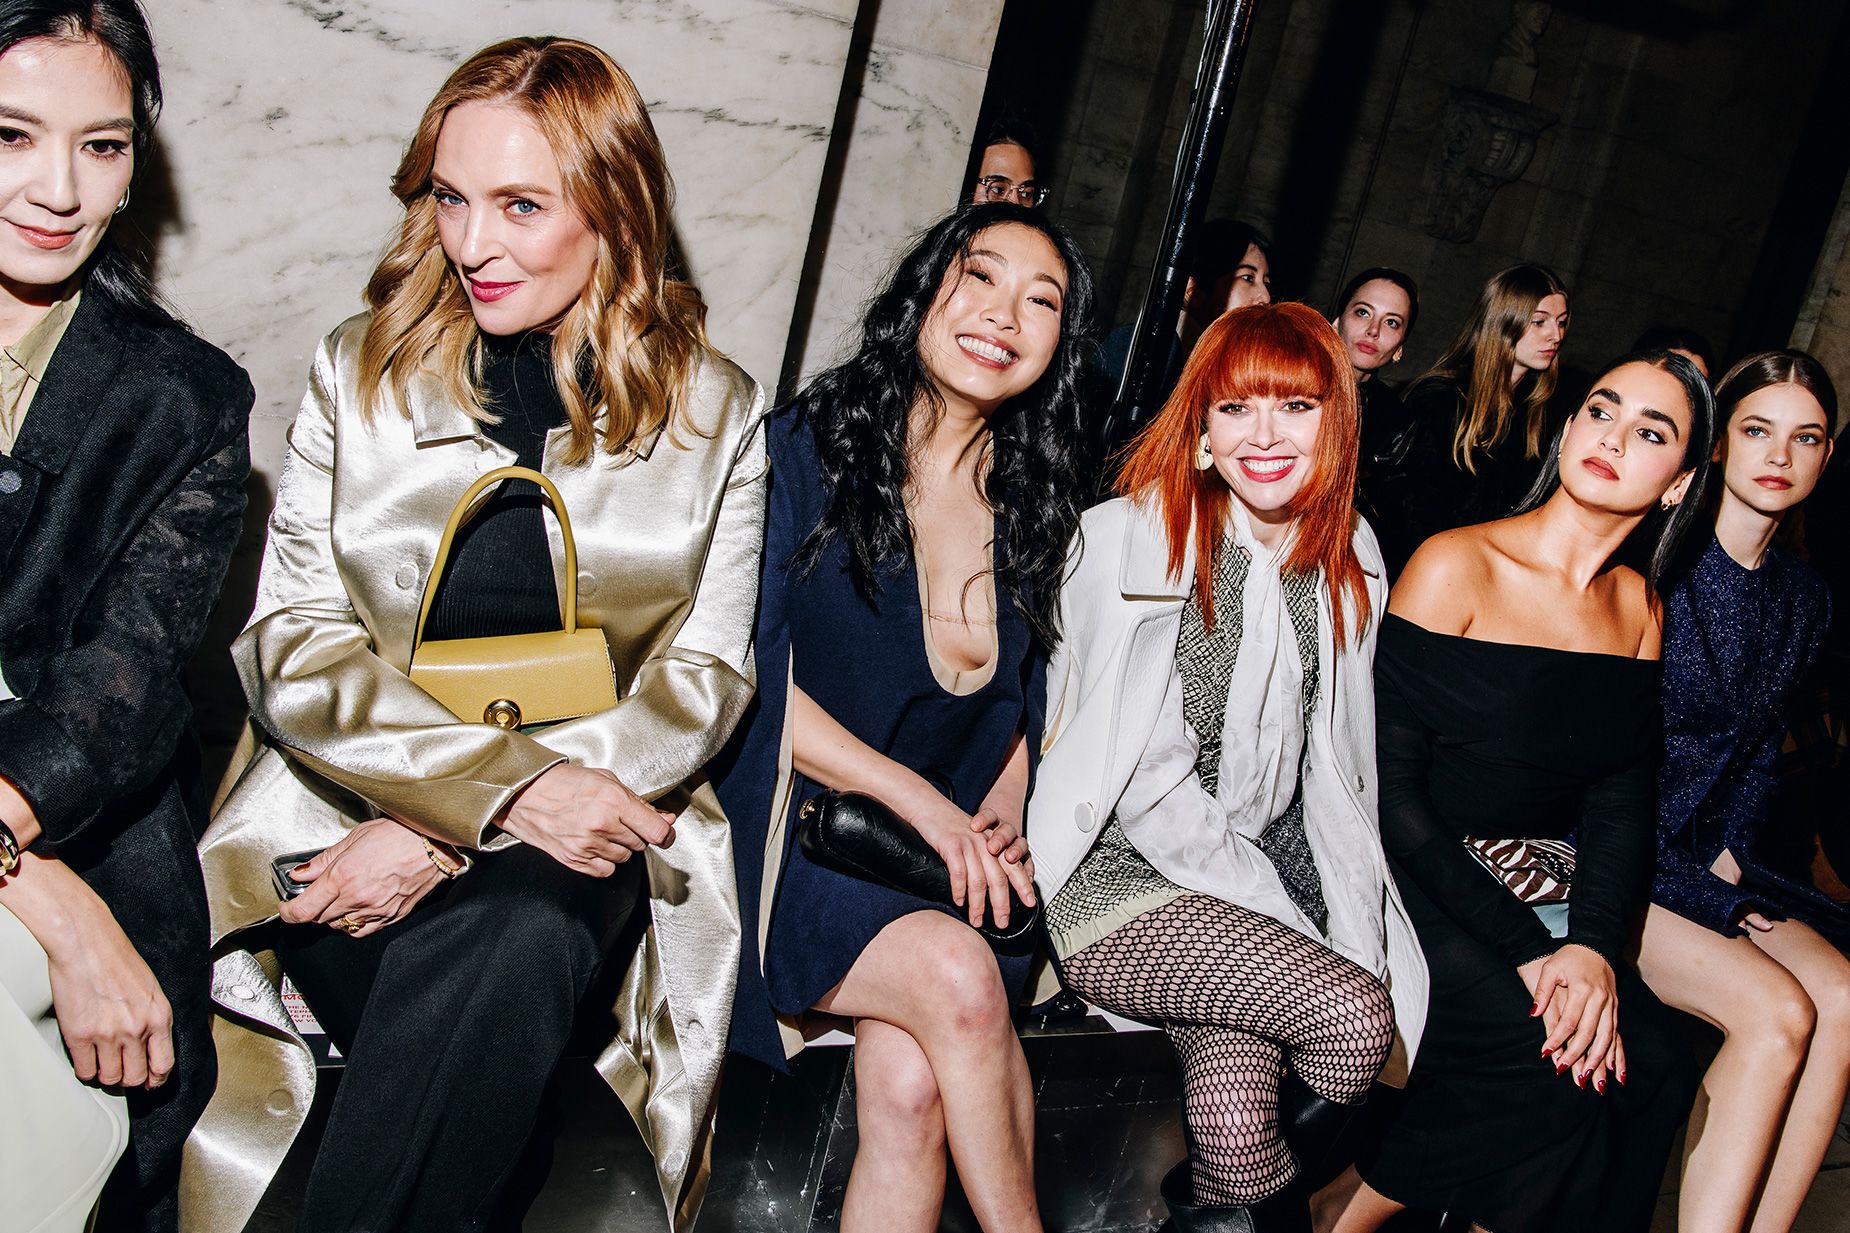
(1423, 846)
(1612, 854)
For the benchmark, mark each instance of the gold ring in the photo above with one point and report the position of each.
(350, 925)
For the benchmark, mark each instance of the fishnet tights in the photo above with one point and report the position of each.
(1241, 996)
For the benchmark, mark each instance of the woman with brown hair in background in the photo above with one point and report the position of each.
(1478, 417)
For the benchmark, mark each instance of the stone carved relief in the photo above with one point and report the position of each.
(1487, 137)
(1529, 21)
(1485, 142)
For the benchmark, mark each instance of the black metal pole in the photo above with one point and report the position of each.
(1223, 49)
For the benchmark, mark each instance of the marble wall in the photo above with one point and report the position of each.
(285, 119)
(808, 139)
(922, 66)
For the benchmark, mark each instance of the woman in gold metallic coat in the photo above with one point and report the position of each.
(473, 881)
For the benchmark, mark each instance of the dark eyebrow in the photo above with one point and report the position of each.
(26, 117)
(1652, 413)
(1607, 393)
(1041, 276)
(1813, 426)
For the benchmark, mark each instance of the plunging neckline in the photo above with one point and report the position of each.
(958, 682)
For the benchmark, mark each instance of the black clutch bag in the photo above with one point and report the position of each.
(857, 835)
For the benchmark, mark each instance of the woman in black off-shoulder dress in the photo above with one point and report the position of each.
(1517, 683)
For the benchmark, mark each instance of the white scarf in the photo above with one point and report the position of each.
(1263, 750)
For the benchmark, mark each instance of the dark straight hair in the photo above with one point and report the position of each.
(1765, 368)
(860, 411)
(1654, 541)
(1219, 246)
(1383, 273)
(121, 29)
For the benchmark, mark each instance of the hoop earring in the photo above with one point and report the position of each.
(122, 204)
(1204, 457)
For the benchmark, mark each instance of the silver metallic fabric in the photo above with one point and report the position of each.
(669, 537)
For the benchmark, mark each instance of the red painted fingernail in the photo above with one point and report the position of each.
(1621, 1076)
(1599, 1085)
(1560, 1067)
(1580, 1078)
(1534, 1011)
(1544, 1050)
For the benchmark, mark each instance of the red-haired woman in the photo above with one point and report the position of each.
(1204, 822)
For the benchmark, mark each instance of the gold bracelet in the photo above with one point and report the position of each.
(9, 850)
(447, 865)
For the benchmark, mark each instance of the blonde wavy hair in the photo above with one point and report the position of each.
(626, 350)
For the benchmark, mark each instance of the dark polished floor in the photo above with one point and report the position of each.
(1108, 1126)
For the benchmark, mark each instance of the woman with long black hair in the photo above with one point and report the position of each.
(1516, 690)
(921, 503)
(122, 464)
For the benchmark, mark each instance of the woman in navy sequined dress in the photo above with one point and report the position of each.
(1727, 938)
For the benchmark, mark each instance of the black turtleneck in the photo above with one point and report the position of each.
(499, 579)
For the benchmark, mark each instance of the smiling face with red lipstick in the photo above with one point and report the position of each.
(524, 255)
(66, 156)
(995, 324)
(1265, 447)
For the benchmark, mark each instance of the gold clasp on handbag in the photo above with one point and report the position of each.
(515, 679)
(807, 809)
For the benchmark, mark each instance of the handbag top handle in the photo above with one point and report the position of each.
(466, 509)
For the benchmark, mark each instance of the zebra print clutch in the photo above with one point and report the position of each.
(1535, 870)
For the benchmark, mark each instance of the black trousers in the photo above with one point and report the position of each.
(451, 1022)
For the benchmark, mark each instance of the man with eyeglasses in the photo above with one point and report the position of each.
(1006, 172)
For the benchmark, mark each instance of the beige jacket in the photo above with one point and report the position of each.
(669, 540)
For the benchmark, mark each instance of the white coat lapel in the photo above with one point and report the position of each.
(1148, 653)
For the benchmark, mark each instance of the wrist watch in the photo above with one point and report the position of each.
(9, 850)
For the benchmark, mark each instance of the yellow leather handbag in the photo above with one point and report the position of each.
(515, 680)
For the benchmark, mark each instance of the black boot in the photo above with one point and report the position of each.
(1285, 1212)
(1316, 1131)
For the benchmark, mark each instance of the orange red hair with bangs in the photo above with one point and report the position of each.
(1273, 351)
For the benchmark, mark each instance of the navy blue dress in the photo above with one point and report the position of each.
(866, 665)
(1737, 644)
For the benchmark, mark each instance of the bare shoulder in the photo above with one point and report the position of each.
(1440, 587)
(1640, 608)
